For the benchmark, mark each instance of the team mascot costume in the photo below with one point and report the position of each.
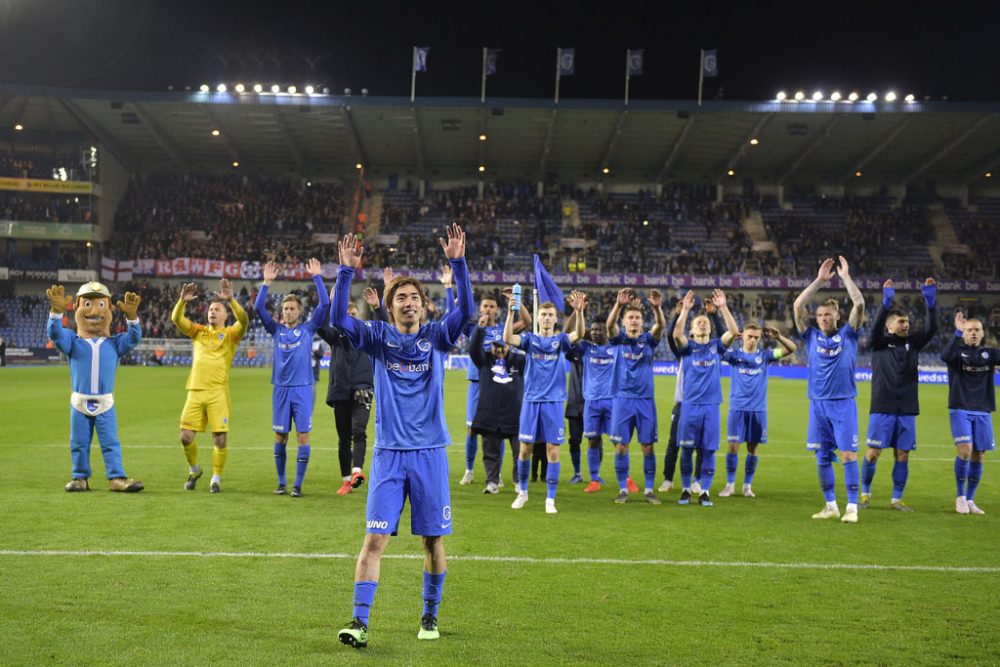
(93, 361)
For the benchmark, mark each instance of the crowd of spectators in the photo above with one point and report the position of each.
(40, 165)
(40, 207)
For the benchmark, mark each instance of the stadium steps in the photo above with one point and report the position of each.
(944, 233)
(373, 210)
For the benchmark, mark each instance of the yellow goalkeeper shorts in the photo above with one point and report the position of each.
(206, 405)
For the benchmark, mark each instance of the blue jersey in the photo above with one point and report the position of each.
(293, 345)
(545, 370)
(748, 379)
(831, 362)
(409, 368)
(598, 370)
(93, 361)
(492, 333)
(701, 364)
(634, 365)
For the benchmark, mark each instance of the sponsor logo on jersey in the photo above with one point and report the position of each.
(408, 367)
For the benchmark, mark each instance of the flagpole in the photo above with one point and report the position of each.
(558, 61)
(626, 75)
(482, 95)
(701, 74)
(534, 309)
(413, 77)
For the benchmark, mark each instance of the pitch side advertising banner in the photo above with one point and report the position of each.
(186, 266)
(43, 185)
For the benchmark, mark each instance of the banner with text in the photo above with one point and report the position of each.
(52, 231)
(46, 185)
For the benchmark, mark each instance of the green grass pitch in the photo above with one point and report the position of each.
(745, 582)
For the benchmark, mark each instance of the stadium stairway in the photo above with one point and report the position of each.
(944, 233)
(373, 210)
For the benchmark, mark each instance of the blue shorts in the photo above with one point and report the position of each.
(975, 428)
(418, 474)
(749, 426)
(896, 431)
(699, 426)
(597, 418)
(542, 421)
(292, 403)
(833, 424)
(633, 414)
(471, 402)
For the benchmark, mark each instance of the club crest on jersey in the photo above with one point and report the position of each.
(424, 345)
(836, 338)
(984, 354)
(758, 359)
(555, 345)
(446, 513)
(92, 405)
(221, 336)
(296, 333)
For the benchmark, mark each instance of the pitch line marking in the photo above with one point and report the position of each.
(511, 559)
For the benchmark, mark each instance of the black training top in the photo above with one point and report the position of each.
(970, 375)
(894, 365)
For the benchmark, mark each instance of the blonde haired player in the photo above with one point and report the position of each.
(208, 382)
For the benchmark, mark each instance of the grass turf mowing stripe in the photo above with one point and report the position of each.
(508, 559)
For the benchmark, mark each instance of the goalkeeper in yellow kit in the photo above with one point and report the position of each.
(208, 383)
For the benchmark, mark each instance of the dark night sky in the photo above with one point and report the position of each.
(929, 48)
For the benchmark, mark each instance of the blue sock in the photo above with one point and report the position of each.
(900, 473)
(707, 469)
(471, 447)
(827, 479)
(364, 595)
(301, 463)
(868, 474)
(594, 463)
(649, 469)
(975, 474)
(433, 587)
(687, 466)
(851, 478)
(961, 474)
(280, 459)
(749, 468)
(621, 470)
(552, 480)
(523, 470)
(575, 456)
(732, 463)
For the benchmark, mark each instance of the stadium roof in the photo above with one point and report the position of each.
(316, 136)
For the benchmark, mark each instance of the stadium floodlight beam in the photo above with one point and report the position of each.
(988, 174)
(780, 96)
(203, 88)
(835, 96)
(606, 170)
(910, 98)
(310, 90)
(754, 141)
(359, 165)
(236, 163)
(292, 90)
(482, 168)
(853, 97)
(257, 88)
(890, 96)
(858, 173)
(731, 172)
(221, 88)
(240, 88)
(216, 132)
(799, 96)
(482, 137)
(817, 96)
(275, 89)
(872, 97)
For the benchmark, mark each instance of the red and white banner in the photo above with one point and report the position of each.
(196, 267)
(115, 270)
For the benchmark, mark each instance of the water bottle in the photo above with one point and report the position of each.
(515, 299)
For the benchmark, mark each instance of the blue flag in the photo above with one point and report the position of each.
(491, 61)
(709, 63)
(635, 58)
(547, 288)
(420, 58)
(567, 62)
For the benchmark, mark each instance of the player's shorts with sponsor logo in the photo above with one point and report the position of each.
(597, 417)
(206, 407)
(891, 430)
(292, 404)
(542, 421)
(699, 426)
(748, 426)
(420, 475)
(975, 428)
(636, 415)
(833, 424)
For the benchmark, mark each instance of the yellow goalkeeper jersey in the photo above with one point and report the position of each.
(214, 349)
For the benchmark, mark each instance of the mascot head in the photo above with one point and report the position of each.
(93, 311)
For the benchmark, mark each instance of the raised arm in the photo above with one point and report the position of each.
(350, 251)
(929, 291)
(799, 309)
(322, 311)
(680, 340)
(189, 292)
(670, 335)
(624, 296)
(260, 303)
(58, 303)
(242, 320)
(857, 316)
(950, 351)
(509, 336)
(722, 305)
(578, 300)
(789, 348)
(454, 250)
(126, 342)
(656, 301)
(476, 352)
(523, 323)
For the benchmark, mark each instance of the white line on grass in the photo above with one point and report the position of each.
(512, 559)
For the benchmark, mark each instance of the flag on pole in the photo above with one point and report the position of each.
(420, 58)
(491, 61)
(546, 287)
(115, 270)
(709, 63)
(567, 62)
(635, 61)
